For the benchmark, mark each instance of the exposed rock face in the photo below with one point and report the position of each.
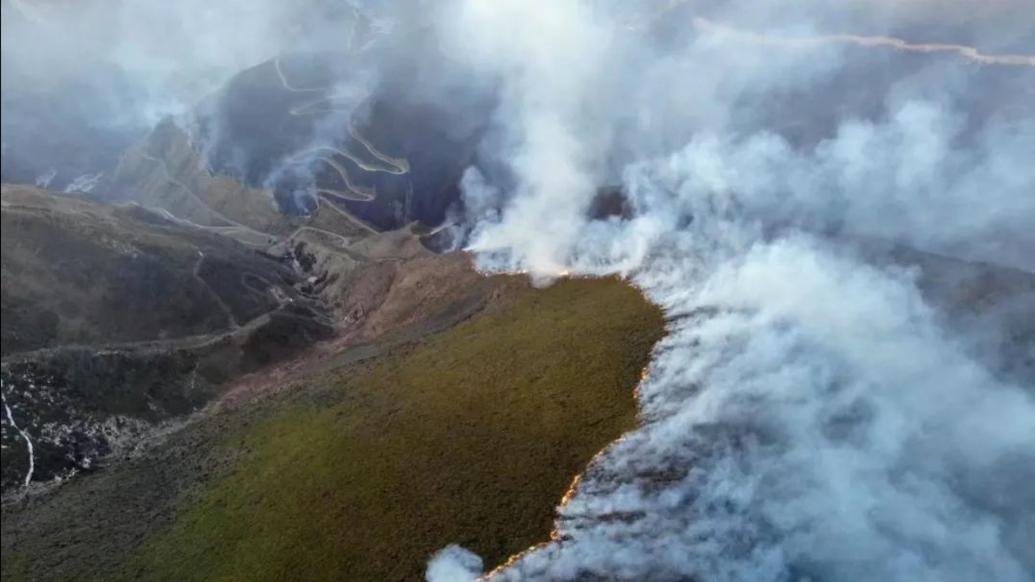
(76, 407)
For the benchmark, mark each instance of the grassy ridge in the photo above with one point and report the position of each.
(469, 437)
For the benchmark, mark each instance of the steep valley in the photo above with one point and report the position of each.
(442, 403)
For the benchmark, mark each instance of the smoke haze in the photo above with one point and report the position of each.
(83, 80)
(811, 414)
(789, 173)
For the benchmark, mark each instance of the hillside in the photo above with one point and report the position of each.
(116, 319)
(81, 272)
(469, 434)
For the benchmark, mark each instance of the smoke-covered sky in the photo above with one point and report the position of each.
(268, 91)
(167, 54)
(811, 414)
(83, 79)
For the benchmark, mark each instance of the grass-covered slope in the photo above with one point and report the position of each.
(80, 272)
(469, 437)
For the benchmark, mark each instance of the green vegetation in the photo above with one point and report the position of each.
(470, 436)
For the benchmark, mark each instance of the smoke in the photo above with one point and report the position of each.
(84, 79)
(323, 144)
(811, 415)
(167, 54)
(454, 564)
(545, 66)
(805, 418)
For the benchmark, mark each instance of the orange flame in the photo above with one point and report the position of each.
(569, 494)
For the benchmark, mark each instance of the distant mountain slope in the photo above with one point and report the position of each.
(78, 272)
(167, 171)
(115, 319)
(387, 135)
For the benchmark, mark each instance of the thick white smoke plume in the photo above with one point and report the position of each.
(813, 413)
(155, 58)
(454, 564)
(810, 415)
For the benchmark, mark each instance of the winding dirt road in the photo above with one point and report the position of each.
(325, 153)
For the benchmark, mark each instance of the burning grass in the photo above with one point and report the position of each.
(470, 436)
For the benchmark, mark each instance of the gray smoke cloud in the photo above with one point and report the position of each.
(811, 415)
(84, 79)
(454, 564)
(167, 55)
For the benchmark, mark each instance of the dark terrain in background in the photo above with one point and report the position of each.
(235, 353)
